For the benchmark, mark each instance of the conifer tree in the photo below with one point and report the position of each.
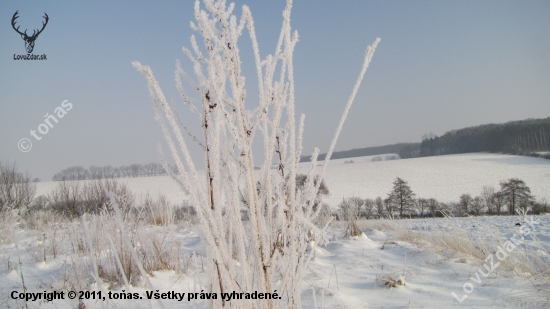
(401, 197)
(516, 193)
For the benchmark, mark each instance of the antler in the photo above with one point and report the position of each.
(13, 24)
(34, 33)
(43, 25)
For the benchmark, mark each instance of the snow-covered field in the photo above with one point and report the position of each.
(444, 178)
(470, 257)
(346, 273)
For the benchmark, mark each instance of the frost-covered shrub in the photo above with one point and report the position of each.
(349, 210)
(74, 198)
(16, 189)
(157, 211)
(187, 213)
(40, 219)
(271, 246)
(8, 225)
(119, 256)
(39, 203)
(324, 216)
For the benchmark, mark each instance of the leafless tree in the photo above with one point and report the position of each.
(96, 172)
(79, 173)
(452, 207)
(541, 206)
(136, 170)
(117, 173)
(153, 169)
(433, 206)
(477, 205)
(465, 203)
(544, 204)
(379, 206)
(109, 172)
(422, 205)
(500, 202)
(369, 209)
(488, 197)
(159, 169)
(72, 173)
(125, 171)
(16, 189)
(389, 207)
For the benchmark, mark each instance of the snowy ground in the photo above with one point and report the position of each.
(346, 273)
(437, 257)
(444, 178)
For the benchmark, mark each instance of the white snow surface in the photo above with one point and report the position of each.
(444, 178)
(343, 273)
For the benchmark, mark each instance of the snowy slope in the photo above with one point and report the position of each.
(442, 177)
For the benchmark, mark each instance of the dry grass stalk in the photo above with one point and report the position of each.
(389, 282)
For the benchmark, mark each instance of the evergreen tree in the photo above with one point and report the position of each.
(516, 193)
(401, 197)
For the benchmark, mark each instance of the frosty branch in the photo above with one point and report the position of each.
(267, 252)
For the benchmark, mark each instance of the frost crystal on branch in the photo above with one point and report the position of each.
(256, 225)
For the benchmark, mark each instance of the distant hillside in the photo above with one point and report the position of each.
(514, 137)
(404, 150)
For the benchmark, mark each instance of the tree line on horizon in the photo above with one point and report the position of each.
(109, 172)
(524, 137)
(17, 191)
(513, 197)
(404, 150)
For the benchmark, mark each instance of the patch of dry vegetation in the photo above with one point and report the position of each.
(529, 260)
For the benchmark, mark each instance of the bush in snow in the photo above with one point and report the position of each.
(349, 210)
(74, 198)
(16, 189)
(269, 247)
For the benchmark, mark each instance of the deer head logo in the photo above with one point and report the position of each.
(29, 40)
